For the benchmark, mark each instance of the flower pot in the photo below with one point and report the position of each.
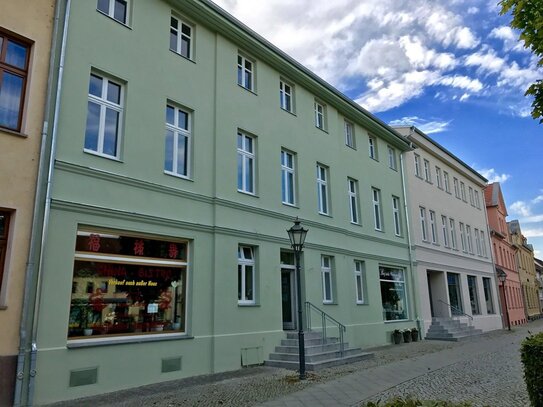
(397, 336)
(407, 336)
(87, 331)
(176, 326)
(414, 335)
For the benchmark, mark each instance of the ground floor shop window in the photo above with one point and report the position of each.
(473, 295)
(127, 285)
(488, 295)
(393, 294)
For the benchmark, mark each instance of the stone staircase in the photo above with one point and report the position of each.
(318, 353)
(448, 329)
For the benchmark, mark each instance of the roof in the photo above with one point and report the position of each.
(514, 227)
(494, 196)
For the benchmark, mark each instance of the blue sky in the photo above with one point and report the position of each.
(453, 68)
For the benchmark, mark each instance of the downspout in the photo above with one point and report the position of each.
(420, 325)
(27, 313)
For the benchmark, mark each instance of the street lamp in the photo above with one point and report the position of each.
(502, 276)
(297, 235)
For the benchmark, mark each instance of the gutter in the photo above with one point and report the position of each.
(26, 359)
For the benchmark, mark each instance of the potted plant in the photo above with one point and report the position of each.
(407, 335)
(414, 334)
(397, 336)
(84, 322)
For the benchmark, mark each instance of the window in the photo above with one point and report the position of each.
(245, 73)
(359, 282)
(487, 286)
(445, 231)
(446, 181)
(104, 116)
(127, 284)
(463, 191)
(116, 9)
(468, 235)
(349, 134)
(326, 269)
(477, 242)
(423, 226)
(285, 96)
(393, 294)
(246, 163)
(4, 233)
(473, 295)
(322, 189)
(178, 142)
(320, 112)
(372, 144)
(287, 178)
(14, 56)
(392, 158)
(417, 166)
(180, 37)
(396, 215)
(433, 227)
(427, 174)
(452, 229)
(471, 197)
(246, 275)
(483, 244)
(352, 186)
(376, 200)
(462, 236)
(438, 178)
(456, 189)
(477, 201)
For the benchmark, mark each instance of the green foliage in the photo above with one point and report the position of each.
(411, 402)
(528, 18)
(531, 354)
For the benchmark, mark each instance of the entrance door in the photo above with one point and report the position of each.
(288, 296)
(455, 298)
(428, 277)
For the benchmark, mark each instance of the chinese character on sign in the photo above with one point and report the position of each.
(172, 251)
(138, 247)
(94, 243)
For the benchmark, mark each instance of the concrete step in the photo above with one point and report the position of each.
(327, 347)
(307, 334)
(315, 357)
(308, 342)
(450, 330)
(310, 366)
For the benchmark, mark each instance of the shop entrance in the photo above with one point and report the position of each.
(437, 293)
(288, 298)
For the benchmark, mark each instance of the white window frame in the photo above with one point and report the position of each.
(320, 115)
(417, 166)
(372, 148)
(181, 35)
(177, 133)
(438, 178)
(477, 201)
(483, 244)
(247, 156)
(463, 191)
(352, 189)
(286, 184)
(245, 83)
(463, 237)
(468, 238)
(286, 96)
(322, 190)
(396, 215)
(392, 158)
(376, 202)
(111, 10)
(445, 230)
(477, 242)
(326, 271)
(423, 223)
(348, 129)
(446, 182)
(456, 188)
(104, 105)
(427, 174)
(359, 282)
(471, 198)
(244, 262)
(433, 227)
(452, 230)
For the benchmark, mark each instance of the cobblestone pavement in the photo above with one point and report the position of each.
(485, 370)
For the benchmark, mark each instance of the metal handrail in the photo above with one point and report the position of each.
(460, 312)
(324, 316)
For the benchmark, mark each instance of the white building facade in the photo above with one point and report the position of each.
(449, 236)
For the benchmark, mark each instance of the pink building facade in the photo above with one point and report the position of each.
(504, 256)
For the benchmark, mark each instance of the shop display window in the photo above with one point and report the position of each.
(127, 285)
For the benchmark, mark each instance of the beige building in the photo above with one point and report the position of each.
(526, 268)
(25, 42)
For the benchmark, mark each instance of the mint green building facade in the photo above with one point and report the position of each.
(178, 170)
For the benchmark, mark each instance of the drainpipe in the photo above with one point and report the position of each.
(33, 276)
(420, 324)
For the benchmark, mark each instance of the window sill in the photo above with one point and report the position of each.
(113, 19)
(109, 157)
(351, 147)
(182, 56)
(248, 90)
(321, 129)
(288, 111)
(291, 205)
(392, 321)
(173, 174)
(361, 303)
(248, 304)
(374, 159)
(356, 224)
(248, 193)
(325, 214)
(329, 303)
(13, 132)
(87, 343)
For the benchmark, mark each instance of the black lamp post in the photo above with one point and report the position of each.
(297, 236)
(502, 276)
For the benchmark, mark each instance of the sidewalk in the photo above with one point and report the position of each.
(485, 370)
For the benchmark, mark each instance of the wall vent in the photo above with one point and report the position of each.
(171, 364)
(83, 377)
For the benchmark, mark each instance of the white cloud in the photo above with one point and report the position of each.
(485, 61)
(464, 97)
(520, 208)
(511, 41)
(492, 176)
(426, 126)
(473, 10)
(461, 82)
(535, 232)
